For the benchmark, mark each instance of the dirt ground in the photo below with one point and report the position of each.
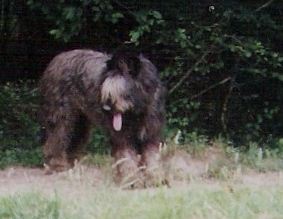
(14, 180)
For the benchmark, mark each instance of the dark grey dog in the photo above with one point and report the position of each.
(120, 93)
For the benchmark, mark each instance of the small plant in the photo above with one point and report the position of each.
(195, 143)
(98, 143)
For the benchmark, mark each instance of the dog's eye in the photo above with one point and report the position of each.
(133, 73)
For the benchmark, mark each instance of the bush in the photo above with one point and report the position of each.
(226, 78)
(19, 127)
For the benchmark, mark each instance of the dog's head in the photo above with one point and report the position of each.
(129, 81)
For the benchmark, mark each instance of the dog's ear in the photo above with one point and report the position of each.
(125, 63)
(134, 65)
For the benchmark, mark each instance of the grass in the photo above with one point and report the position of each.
(30, 205)
(217, 193)
(194, 201)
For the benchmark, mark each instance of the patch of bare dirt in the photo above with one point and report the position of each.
(15, 180)
(75, 182)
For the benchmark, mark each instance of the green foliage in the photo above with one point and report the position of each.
(18, 156)
(70, 19)
(148, 21)
(226, 76)
(19, 128)
(98, 143)
(19, 104)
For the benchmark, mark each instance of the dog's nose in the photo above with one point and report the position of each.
(106, 107)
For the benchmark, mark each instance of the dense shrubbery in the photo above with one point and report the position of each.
(233, 82)
(19, 106)
(19, 128)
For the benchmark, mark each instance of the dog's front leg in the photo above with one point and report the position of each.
(126, 168)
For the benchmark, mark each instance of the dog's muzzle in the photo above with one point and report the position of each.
(115, 116)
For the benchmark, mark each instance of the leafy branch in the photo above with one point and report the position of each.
(187, 74)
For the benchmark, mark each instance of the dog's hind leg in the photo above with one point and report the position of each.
(58, 128)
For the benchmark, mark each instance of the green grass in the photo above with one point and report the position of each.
(30, 205)
(193, 201)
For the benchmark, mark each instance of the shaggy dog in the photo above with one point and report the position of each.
(120, 93)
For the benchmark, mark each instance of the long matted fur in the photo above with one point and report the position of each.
(120, 93)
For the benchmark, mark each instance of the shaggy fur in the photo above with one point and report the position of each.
(120, 93)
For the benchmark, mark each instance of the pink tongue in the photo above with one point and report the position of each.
(117, 121)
